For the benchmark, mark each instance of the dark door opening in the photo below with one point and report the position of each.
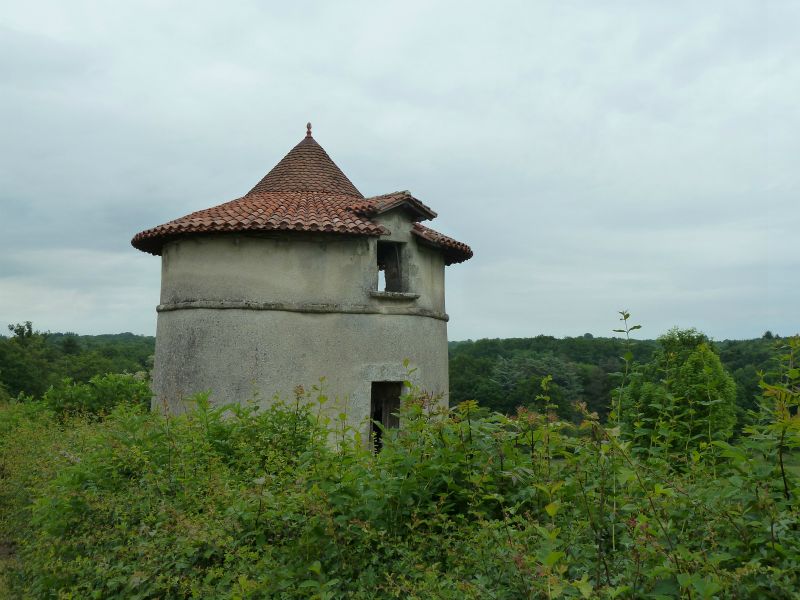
(384, 405)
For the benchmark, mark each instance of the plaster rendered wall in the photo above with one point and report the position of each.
(294, 268)
(235, 353)
(245, 313)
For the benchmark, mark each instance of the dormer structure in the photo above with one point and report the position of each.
(301, 278)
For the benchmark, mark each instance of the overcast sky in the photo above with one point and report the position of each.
(595, 155)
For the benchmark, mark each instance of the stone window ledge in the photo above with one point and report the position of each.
(393, 295)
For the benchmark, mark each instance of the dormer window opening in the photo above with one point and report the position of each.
(390, 267)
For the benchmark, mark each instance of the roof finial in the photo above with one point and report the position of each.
(308, 129)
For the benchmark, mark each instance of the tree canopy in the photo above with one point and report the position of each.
(32, 361)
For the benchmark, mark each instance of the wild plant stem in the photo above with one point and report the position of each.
(595, 529)
(780, 461)
(647, 495)
(619, 424)
(260, 501)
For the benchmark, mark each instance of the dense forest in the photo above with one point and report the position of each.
(500, 374)
(32, 361)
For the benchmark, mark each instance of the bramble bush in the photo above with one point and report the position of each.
(281, 502)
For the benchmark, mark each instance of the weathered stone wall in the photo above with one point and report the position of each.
(244, 313)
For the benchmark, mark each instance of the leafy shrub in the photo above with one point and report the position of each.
(4, 395)
(682, 400)
(277, 502)
(100, 395)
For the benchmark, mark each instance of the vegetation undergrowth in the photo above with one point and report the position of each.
(279, 502)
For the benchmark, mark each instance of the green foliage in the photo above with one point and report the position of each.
(744, 359)
(100, 395)
(474, 367)
(25, 361)
(32, 361)
(4, 395)
(680, 402)
(505, 374)
(677, 344)
(278, 502)
(710, 394)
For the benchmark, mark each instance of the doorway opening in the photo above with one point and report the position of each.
(384, 406)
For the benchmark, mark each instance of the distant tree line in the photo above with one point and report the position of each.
(32, 361)
(501, 374)
(504, 374)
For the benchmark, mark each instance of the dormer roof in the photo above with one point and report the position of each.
(304, 192)
(377, 205)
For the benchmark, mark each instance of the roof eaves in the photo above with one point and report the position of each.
(153, 241)
(453, 250)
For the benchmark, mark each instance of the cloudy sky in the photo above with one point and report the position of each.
(596, 155)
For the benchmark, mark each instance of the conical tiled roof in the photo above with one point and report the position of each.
(304, 192)
(307, 168)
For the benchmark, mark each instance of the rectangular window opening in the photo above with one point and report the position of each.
(390, 267)
(384, 406)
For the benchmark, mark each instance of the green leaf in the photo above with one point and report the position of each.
(706, 587)
(625, 475)
(661, 490)
(666, 588)
(584, 587)
(552, 508)
(552, 558)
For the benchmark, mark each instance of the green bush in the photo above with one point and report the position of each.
(100, 395)
(681, 401)
(278, 502)
(5, 397)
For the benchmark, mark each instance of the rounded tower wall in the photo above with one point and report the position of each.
(266, 268)
(239, 354)
(258, 314)
(298, 270)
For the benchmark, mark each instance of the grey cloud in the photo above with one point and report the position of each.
(595, 156)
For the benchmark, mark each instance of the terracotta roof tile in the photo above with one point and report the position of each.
(454, 251)
(306, 168)
(270, 211)
(305, 191)
(379, 204)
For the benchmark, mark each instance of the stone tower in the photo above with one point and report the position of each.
(302, 278)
